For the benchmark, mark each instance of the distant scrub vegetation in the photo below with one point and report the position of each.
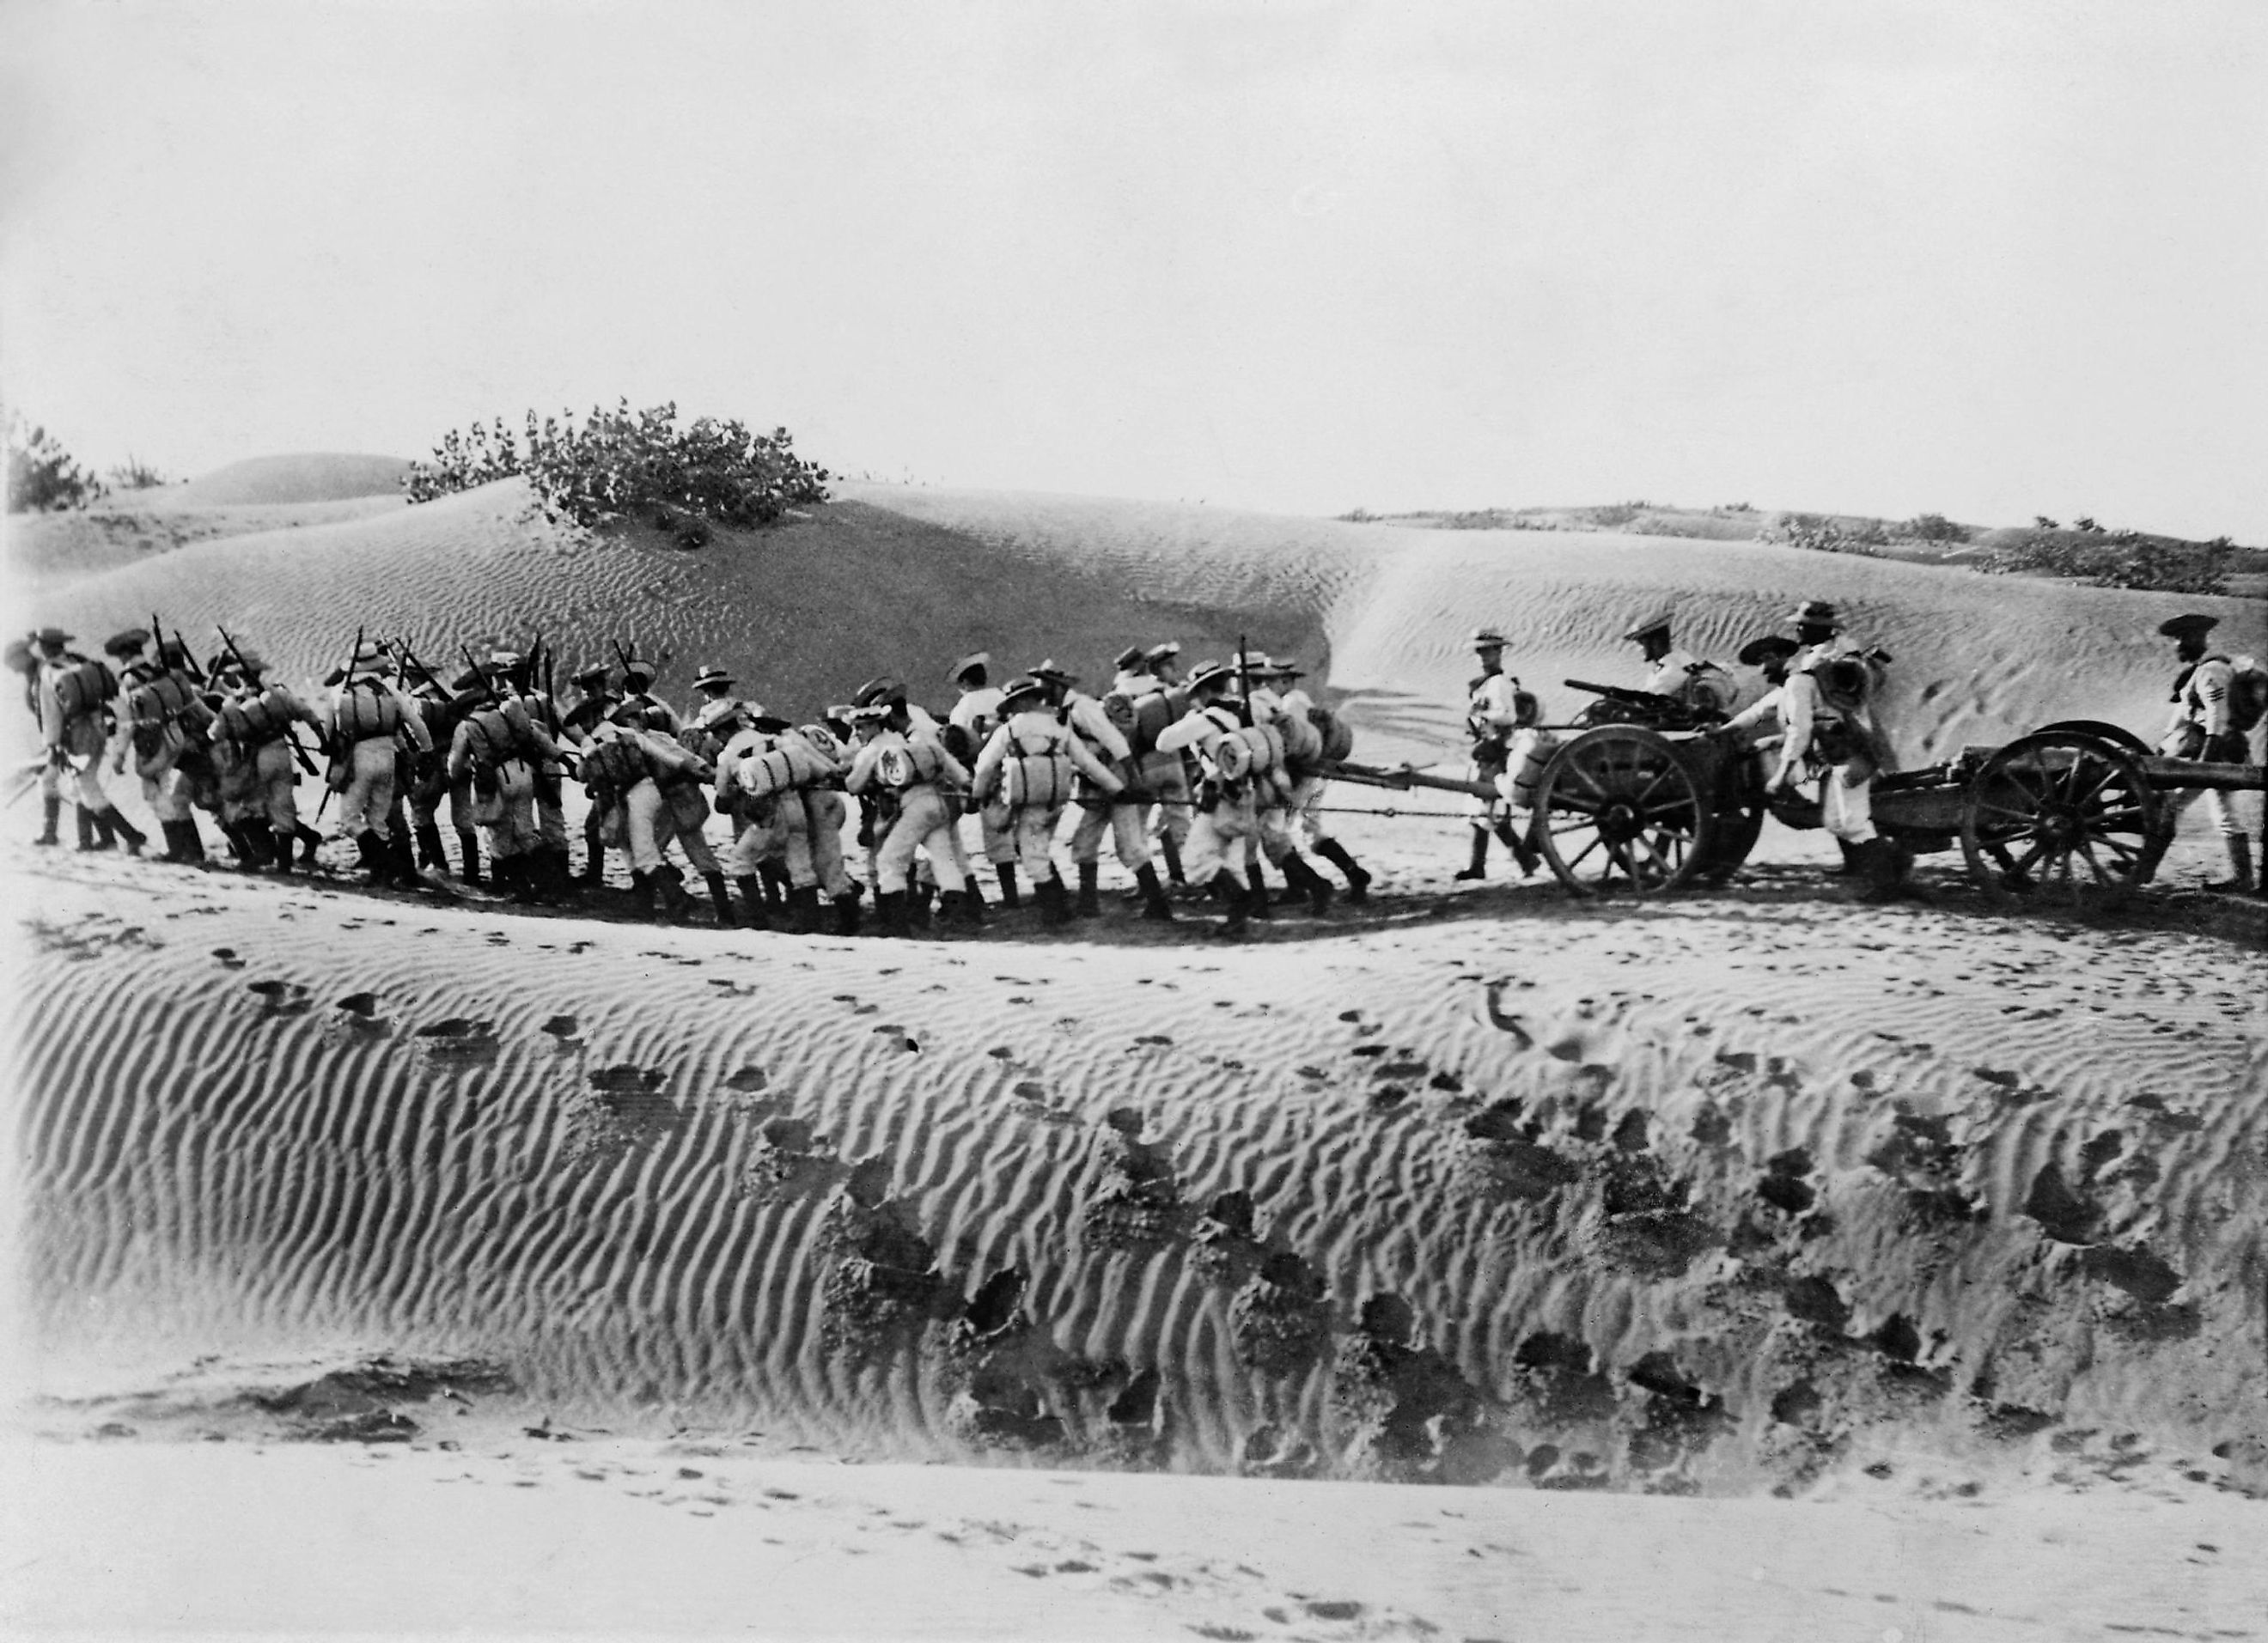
(2115, 559)
(623, 464)
(42, 476)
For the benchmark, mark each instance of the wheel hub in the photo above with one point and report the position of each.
(1620, 823)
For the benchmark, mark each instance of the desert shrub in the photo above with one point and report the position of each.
(42, 476)
(1822, 533)
(1359, 516)
(134, 475)
(1933, 527)
(624, 463)
(2116, 558)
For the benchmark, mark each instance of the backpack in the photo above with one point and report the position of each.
(82, 688)
(1038, 779)
(160, 699)
(368, 710)
(2248, 694)
(1710, 689)
(250, 720)
(613, 763)
(1336, 735)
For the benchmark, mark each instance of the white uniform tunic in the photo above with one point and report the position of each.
(1216, 833)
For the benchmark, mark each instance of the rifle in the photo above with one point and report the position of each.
(291, 737)
(1624, 695)
(1244, 674)
(189, 659)
(337, 737)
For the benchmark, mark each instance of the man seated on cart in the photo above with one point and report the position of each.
(1703, 687)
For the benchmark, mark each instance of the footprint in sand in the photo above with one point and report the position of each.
(280, 997)
(359, 1004)
(748, 1080)
(1493, 1004)
(562, 1028)
(623, 1079)
(228, 958)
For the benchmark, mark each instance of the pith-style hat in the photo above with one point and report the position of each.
(712, 679)
(247, 660)
(1756, 652)
(769, 724)
(595, 674)
(1132, 656)
(1487, 638)
(123, 644)
(1165, 652)
(1284, 667)
(1207, 673)
(1020, 688)
(968, 665)
(501, 661)
(1816, 614)
(1054, 672)
(634, 665)
(1651, 625)
(53, 636)
(2194, 622)
(879, 692)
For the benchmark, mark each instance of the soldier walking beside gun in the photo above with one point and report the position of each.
(2215, 710)
(1492, 716)
(1834, 731)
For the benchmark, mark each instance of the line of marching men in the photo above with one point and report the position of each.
(1213, 777)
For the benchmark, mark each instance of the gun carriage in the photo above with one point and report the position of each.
(1635, 795)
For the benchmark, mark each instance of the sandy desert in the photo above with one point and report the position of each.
(1884, 1272)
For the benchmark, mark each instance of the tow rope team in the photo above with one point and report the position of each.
(1215, 776)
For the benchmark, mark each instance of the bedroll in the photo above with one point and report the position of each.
(160, 698)
(787, 763)
(82, 688)
(367, 710)
(1035, 780)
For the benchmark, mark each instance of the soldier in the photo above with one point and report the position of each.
(547, 862)
(898, 769)
(2204, 724)
(1222, 817)
(165, 727)
(1304, 808)
(977, 713)
(1496, 709)
(711, 685)
(1768, 714)
(759, 774)
(256, 725)
(1028, 764)
(368, 718)
(70, 694)
(439, 708)
(594, 706)
(825, 813)
(1677, 673)
(1831, 709)
(653, 713)
(498, 747)
(1098, 812)
(1269, 839)
(1167, 775)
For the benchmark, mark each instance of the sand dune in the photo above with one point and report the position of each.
(1651, 1218)
(299, 477)
(905, 579)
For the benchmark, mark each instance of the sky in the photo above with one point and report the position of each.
(1989, 261)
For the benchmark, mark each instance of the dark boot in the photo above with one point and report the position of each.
(1090, 873)
(1878, 861)
(1852, 866)
(258, 843)
(114, 822)
(2239, 882)
(279, 849)
(403, 858)
(803, 911)
(51, 808)
(890, 914)
(642, 891)
(752, 898)
(527, 879)
(1256, 904)
(1522, 851)
(1172, 854)
(173, 851)
(1154, 905)
(310, 841)
(369, 855)
(1054, 907)
(1478, 867)
(669, 884)
(1238, 902)
(917, 899)
(1010, 895)
(192, 842)
(846, 914)
(1358, 881)
(1300, 877)
(594, 862)
(469, 847)
(721, 896)
(88, 839)
(430, 853)
(969, 915)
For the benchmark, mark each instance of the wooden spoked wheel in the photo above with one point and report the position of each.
(1618, 808)
(2061, 817)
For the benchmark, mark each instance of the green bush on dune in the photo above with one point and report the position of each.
(623, 464)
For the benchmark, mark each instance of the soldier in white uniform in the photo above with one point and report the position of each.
(367, 718)
(2201, 727)
(1028, 764)
(975, 712)
(711, 685)
(1223, 816)
(256, 722)
(165, 709)
(1098, 812)
(1167, 775)
(900, 767)
(73, 695)
(1834, 731)
(1307, 785)
(1495, 713)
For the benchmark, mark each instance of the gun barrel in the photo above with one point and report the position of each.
(1404, 778)
(1620, 692)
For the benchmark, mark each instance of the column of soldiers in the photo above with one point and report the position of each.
(1044, 768)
